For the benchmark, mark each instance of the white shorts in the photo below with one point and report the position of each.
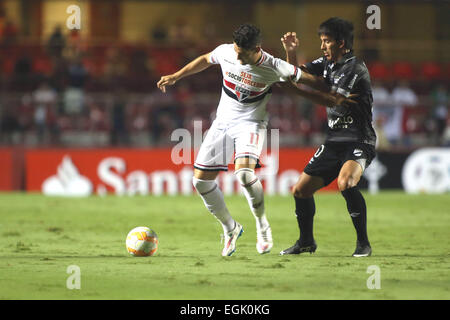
(245, 139)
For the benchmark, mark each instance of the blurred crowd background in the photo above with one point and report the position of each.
(96, 86)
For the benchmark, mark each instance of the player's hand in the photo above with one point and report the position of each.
(347, 102)
(166, 81)
(290, 41)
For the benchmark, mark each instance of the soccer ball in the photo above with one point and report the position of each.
(142, 242)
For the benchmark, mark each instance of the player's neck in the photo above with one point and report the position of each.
(341, 55)
(258, 57)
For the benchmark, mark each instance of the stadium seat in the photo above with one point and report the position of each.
(431, 70)
(169, 59)
(379, 71)
(8, 66)
(42, 64)
(403, 70)
(94, 65)
(446, 72)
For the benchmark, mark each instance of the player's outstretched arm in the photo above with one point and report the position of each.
(327, 99)
(313, 81)
(199, 64)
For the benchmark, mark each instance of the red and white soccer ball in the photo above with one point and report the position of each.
(142, 242)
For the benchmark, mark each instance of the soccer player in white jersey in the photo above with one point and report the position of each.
(239, 127)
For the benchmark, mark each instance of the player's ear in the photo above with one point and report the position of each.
(341, 44)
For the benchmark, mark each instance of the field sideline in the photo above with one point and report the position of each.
(41, 236)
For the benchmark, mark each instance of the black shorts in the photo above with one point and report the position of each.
(331, 156)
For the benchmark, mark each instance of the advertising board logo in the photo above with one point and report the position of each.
(81, 175)
(427, 170)
(67, 181)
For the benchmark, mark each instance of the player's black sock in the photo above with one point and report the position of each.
(305, 208)
(356, 206)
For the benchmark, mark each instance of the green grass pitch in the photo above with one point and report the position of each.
(41, 236)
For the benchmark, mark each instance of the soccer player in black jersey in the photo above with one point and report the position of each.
(350, 144)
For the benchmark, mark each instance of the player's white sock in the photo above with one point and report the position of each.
(213, 199)
(254, 192)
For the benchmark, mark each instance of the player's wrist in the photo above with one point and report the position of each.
(290, 49)
(175, 77)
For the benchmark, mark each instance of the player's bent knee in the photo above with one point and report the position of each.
(246, 177)
(342, 184)
(205, 175)
(301, 192)
(204, 186)
(345, 183)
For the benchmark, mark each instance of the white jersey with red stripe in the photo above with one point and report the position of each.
(247, 88)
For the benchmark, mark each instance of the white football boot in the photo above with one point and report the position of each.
(264, 240)
(230, 240)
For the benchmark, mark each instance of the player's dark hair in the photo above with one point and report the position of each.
(338, 29)
(247, 36)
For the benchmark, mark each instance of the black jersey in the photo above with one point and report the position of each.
(347, 76)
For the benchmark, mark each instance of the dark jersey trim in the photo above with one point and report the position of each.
(251, 100)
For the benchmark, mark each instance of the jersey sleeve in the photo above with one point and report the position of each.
(217, 54)
(316, 67)
(287, 71)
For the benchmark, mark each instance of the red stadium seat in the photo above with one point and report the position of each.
(379, 71)
(403, 70)
(446, 71)
(94, 65)
(431, 70)
(168, 59)
(43, 65)
(8, 66)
